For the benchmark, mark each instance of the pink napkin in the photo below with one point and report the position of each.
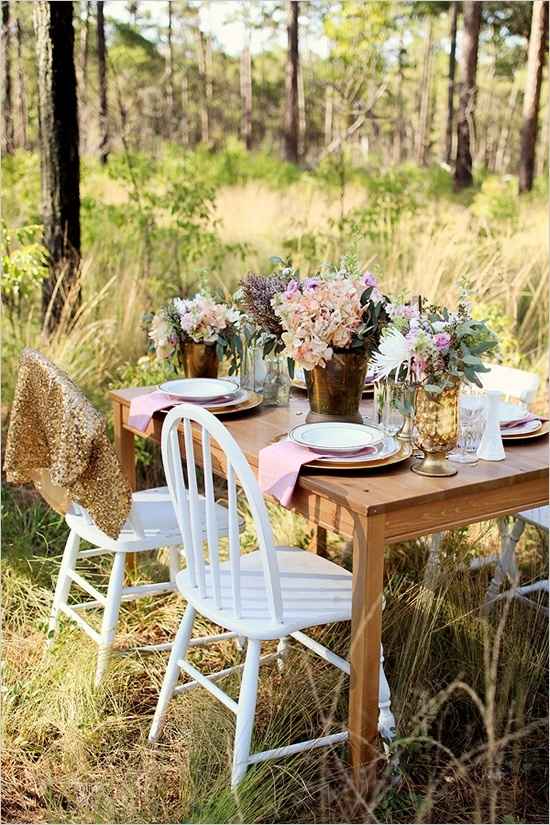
(143, 407)
(279, 467)
(526, 418)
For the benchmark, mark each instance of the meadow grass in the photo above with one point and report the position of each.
(470, 695)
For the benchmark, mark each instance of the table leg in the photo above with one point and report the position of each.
(320, 541)
(366, 630)
(125, 447)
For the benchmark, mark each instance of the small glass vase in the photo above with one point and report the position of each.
(436, 430)
(394, 408)
(276, 385)
(253, 368)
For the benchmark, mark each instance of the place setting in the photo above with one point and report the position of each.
(328, 446)
(217, 395)
(518, 423)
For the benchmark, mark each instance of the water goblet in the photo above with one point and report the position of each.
(472, 416)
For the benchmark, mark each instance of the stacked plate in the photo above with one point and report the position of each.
(348, 446)
(218, 395)
(516, 422)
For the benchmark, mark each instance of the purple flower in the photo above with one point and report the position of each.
(442, 340)
(291, 289)
(369, 279)
(310, 283)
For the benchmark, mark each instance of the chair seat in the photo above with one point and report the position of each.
(539, 516)
(155, 512)
(314, 591)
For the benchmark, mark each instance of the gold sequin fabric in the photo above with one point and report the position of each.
(54, 427)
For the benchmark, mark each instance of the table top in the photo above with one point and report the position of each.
(374, 490)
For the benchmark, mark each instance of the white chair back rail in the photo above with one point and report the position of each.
(511, 382)
(205, 574)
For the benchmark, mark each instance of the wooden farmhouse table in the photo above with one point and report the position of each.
(373, 509)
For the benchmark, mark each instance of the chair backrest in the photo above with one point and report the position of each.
(511, 382)
(205, 575)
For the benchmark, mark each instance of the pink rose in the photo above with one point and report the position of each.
(442, 340)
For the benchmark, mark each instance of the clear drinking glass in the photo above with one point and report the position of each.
(472, 417)
(388, 410)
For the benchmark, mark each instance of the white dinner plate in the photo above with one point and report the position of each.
(390, 446)
(200, 389)
(523, 429)
(336, 436)
(510, 411)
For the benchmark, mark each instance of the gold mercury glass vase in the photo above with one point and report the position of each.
(335, 391)
(198, 360)
(436, 423)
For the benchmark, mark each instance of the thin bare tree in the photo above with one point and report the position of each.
(531, 100)
(246, 82)
(470, 42)
(102, 83)
(292, 114)
(59, 156)
(453, 12)
(7, 106)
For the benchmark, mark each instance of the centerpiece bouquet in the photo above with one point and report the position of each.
(197, 332)
(331, 324)
(433, 350)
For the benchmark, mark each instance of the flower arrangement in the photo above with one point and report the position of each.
(256, 296)
(198, 320)
(433, 347)
(339, 310)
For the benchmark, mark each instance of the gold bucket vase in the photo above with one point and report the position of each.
(198, 360)
(335, 391)
(436, 423)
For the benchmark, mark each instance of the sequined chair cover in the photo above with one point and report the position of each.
(58, 441)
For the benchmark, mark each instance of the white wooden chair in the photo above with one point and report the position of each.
(271, 593)
(523, 386)
(151, 525)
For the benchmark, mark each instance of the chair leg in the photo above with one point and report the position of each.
(246, 712)
(110, 615)
(63, 584)
(174, 562)
(433, 565)
(282, 649)
(386, 719)
(506, 564)
(179, 649)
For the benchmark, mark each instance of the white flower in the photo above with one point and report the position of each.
(392, 353)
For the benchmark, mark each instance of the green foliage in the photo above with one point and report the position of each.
(24, 267)
(497, 201)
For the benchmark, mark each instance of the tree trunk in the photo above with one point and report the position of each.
(102, 80)
(329, 114)
(21, 90)
(531, 101)
(292, 116)
(425, 96)
(503, 138)
(59, 159)
(472, 22)
(171, 120)
(7, 136)
(246, 90)
(185, 136)
(399, 135)
(451, 84)
(206, 86)
(85, 49)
